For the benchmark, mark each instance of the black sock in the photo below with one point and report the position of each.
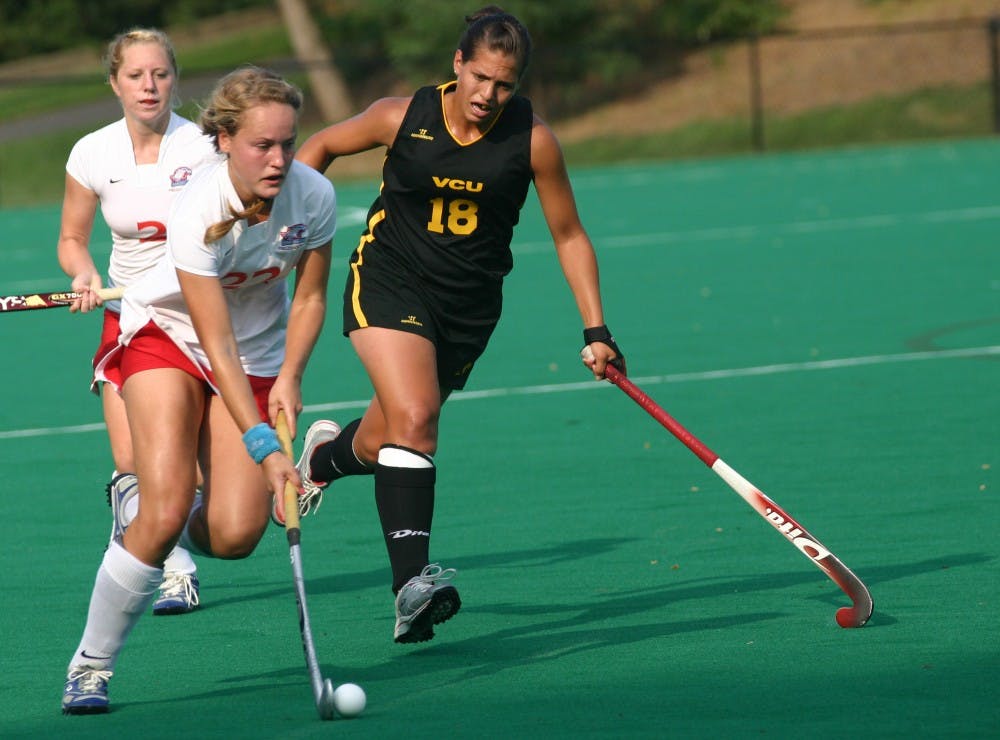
(405, 500)
(337, 459)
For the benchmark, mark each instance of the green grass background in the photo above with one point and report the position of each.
(613, 586)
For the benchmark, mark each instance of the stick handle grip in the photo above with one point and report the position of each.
(290, 494)
(656, 411)
(111, 294)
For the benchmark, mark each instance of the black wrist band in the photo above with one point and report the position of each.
(597, 334)
(603, 335)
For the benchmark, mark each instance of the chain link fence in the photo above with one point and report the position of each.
(941, 77)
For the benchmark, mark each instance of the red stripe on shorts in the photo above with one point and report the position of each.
(151, 348)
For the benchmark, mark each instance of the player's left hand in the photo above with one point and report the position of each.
(599, 349)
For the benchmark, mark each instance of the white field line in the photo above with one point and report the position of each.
(350, 217)
(749, 231)
(531, 390)
(347, 218)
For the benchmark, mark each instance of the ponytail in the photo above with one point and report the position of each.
(216, 231)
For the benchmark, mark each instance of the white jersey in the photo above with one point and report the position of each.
(252, 263)
(136, 199)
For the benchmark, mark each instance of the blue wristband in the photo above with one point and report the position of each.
(260, 442)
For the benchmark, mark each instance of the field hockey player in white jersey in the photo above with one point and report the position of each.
(211, 349)
(133, 169)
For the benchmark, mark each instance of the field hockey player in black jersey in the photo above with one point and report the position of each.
(423, 291)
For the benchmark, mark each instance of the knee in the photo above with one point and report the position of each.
(417, 427)
(168, 520)
(231, 543)
(155, 530)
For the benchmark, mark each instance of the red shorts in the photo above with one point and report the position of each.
(151, 348)
(111, 372)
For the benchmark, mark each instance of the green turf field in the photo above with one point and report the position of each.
(828, 322)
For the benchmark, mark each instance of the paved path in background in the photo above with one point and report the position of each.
(93, 114)
(105, 111)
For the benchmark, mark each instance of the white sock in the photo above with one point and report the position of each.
(186, 541)
(180, 561)
(123, 589)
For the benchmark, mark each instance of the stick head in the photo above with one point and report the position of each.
(852, 616)
(325, 705)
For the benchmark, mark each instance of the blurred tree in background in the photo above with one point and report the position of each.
(584, 50)
(29, 27)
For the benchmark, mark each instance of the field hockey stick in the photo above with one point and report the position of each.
(34, 301)
(847, 616)
(322, 688)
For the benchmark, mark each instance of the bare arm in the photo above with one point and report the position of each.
(375, 126)
(305, 322)
(73, 249)
(573, 245)
(206, 303)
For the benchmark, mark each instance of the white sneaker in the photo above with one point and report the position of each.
(422, 602)
(178, 594)
(86, 691)
(320, 433)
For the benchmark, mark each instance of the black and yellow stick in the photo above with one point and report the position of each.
(34, 301)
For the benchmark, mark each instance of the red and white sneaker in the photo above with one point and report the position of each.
(320, 433)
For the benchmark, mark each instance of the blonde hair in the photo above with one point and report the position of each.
(233, 95)
(114, 57)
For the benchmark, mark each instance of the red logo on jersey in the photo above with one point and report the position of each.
(292, 236)
(180, 177)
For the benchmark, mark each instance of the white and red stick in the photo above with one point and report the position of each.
(34, 301)
(847, 616)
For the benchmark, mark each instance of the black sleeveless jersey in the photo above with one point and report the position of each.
(446, 211)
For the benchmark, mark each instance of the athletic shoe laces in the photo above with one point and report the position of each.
(425, 582)
(89, 680)
(179, 586)
(435, 572)
(311, 498)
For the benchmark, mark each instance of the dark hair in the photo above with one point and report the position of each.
(490, 27)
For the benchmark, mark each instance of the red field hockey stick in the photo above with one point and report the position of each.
(34, 301)
(847, 616)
